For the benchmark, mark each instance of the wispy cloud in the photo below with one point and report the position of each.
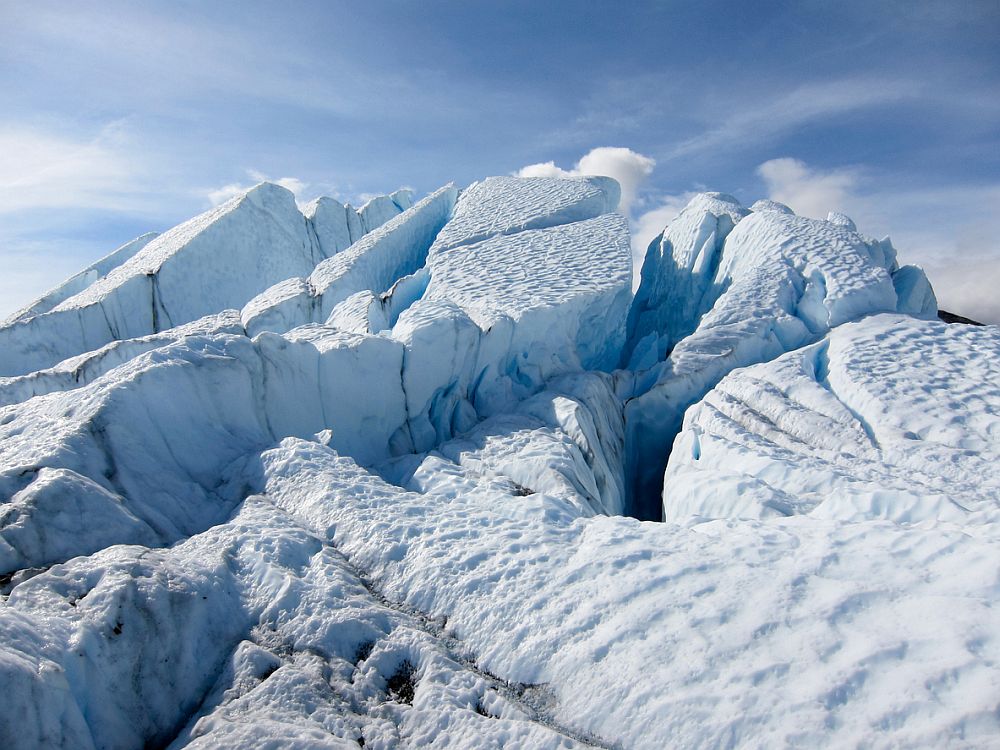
(742, 121)
(44, 170)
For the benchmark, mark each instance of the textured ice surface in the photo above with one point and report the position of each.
(378, 503)
(507, 205)
(890, 418)
(775, 283)
(657, 635)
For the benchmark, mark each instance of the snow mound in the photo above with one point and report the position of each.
(890, 417)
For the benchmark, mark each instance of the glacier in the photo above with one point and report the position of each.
(428, 473)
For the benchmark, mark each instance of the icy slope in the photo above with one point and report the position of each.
(659, 635)
(373, 493)
(770, 284)
(890, 417)
(215, 261)
(77, 283)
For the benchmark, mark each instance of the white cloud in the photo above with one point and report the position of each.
(756, 116)
(625, 165)
(808, 192)
(544, 169)
(40, 170)
(224, 193)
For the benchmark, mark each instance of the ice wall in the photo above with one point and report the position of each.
(779, 281)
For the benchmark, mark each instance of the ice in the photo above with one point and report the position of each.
(566, 442)
(168, 458)
(507, 205)
(373, 264)
(362, 312)
(889, 418)
(216, 261)
(85, 368)
(914, 293)
(554, 298)
(84, 279)
(375, 492)
(677, 273)
(329, 221)
(777, 282)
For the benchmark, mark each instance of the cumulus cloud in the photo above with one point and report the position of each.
(224, 193)
(807, 191)
(625, 165)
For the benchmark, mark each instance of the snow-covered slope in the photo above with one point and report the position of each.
(340, 478)
(890, 417)
(766, 284)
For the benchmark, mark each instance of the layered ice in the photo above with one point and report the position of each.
(371, 264)
(83, 369)
(216, 261)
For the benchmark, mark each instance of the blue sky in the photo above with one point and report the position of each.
(120, 118)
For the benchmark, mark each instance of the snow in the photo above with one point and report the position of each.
(365, 478)
(798, 632)
(775, 283)
(216, 261)
(373, 263)
(890, 417)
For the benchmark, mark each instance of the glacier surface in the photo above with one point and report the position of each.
(427, 474)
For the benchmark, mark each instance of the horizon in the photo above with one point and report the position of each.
(122, 120)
